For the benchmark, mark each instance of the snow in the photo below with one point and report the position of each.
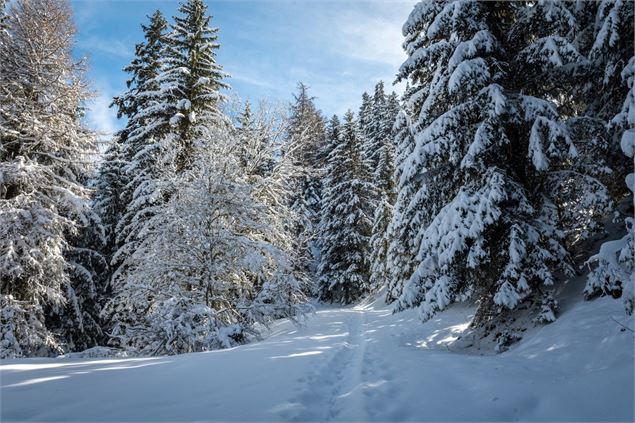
(351, 364)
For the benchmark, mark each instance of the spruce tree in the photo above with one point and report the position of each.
(407, 211)
(109, 198)
(612, 51)
(128, 183)
(378, 128)
(492, 149)
(305, 145)
(191, 79)
(365, 121)
(256, 149)
(346, 226)
(385, 188)
(179, 121)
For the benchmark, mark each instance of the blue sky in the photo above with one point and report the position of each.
(340, 48)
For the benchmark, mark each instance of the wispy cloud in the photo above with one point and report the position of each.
(111, 47)
(253, 80)
(100, 117)
(368, 38)
(339, 48)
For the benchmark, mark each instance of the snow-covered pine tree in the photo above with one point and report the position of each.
(189, 81)
(406, 214)
(245, 136)
(81, 325)
(384, 186)
(126, 185)
(378, 128)
(192, 79)
(554, 67)
(45, 156)
(257, 136)
(346, 225)
(128, 181)
(611, 51)
(332, 134)
(327, 205)
(605, 85)
(365, 120)
(490, 151)
(306, 145)
(108, 203)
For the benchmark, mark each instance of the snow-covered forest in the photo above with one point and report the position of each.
(480, 218)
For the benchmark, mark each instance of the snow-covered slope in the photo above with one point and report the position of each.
(350, 364)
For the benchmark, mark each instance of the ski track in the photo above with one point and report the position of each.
(354, 383)
(324, 390)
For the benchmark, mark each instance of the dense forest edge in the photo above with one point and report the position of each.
(501, 173)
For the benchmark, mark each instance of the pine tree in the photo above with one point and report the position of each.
(407, 211)
(306, 146)
(191, 79)
(80, 323)
(384, 186)
(206, 266)
(346, 226)
(45, 156)
(256, 148)
(492, 152)
(553, 64)
(109, 203)
(612, 50)
(128, 183)
(379, 128)
(365, 122)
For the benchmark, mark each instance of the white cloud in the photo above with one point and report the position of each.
(117, 48)
(375, 39)
(100, 117)
(371, 33)
(258, 81)
(367, 36)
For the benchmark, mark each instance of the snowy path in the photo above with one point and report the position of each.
(347, 364)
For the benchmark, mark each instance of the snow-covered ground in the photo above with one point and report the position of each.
(350, 364)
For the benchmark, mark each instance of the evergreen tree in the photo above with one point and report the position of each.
(612, 50)
(256, 148)
(80, 323)
(379, 128)
(128, 182)
(554, 67)
(407, 211)
(492, 151)
(191, 79)
(108, 204)
(45, 153)
(306, 146)
(346, 226)
(384, 183)
(365, 122)
(180, 121)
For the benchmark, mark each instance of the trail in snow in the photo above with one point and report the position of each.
(348, 364)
